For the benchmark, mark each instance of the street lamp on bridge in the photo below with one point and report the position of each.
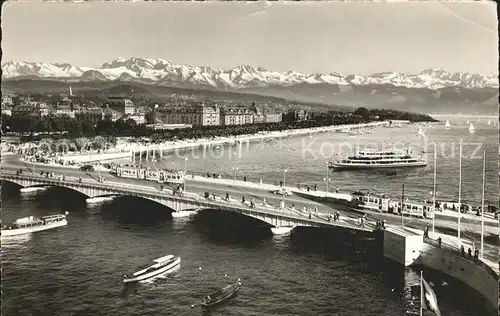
(185, 172)
(234, 167)
(327, 180)
(284, 188)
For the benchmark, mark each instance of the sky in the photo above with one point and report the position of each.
(315, 37)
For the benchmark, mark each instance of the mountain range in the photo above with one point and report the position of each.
(163, 72)
(424, 91)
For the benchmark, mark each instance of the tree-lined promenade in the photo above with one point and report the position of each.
(29, 126)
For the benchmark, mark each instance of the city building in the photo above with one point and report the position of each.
(296, 115)
(65, 106)
(7, 100)
(93, 114)
(31, 108)
(236, 116)
(200, 114)
(139, 118)
(273, 117)
(120, 104)
(258, 114)
(6, 110)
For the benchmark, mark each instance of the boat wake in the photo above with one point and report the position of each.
(100, 199)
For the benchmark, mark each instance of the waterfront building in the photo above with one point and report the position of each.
(262, 114)
(121, 104)
(273, 117)
(236, 116)
(200, 114)
(7, 100)
(6, 110)
(31, 108)
(93, 114)
(258, 114)
(296, 115)
(139, 118)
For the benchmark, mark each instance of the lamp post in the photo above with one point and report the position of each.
(185, 172)
(482, 204)
(234, 167)
(459, 194)
(434, 192)
(327, 180)
(284, 188)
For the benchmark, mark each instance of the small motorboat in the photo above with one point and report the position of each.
(161, 265)
(221, 295)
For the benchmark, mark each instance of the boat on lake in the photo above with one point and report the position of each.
(447, 124)
(221, 295)
(161, 265)
(31, 224)
(378, 159)
(33, 189)
(472, 129)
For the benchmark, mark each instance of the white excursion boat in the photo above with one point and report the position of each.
(161, 265)
(472, 129)
(447, 124)
(100, 199)
(32, 189)
(379, 159)
(32, 224)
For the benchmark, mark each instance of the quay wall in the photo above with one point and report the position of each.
(479, 276)
(161, 148)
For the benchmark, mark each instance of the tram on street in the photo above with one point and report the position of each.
(157, 175)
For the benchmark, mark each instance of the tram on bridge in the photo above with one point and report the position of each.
(157, 175)
(384, 204)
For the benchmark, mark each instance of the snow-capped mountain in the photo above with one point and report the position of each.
(163, 72)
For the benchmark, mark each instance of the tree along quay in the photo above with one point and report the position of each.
(27, 126)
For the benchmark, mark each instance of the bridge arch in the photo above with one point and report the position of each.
(271, 216)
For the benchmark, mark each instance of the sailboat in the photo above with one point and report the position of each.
(489, 122)
(472, 129)
(421, 131)
(447, 124)
(428, 299)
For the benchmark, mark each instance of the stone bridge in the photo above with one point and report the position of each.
(273, 216)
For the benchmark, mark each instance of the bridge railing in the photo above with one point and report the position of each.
(138, 189)
(455, 250)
